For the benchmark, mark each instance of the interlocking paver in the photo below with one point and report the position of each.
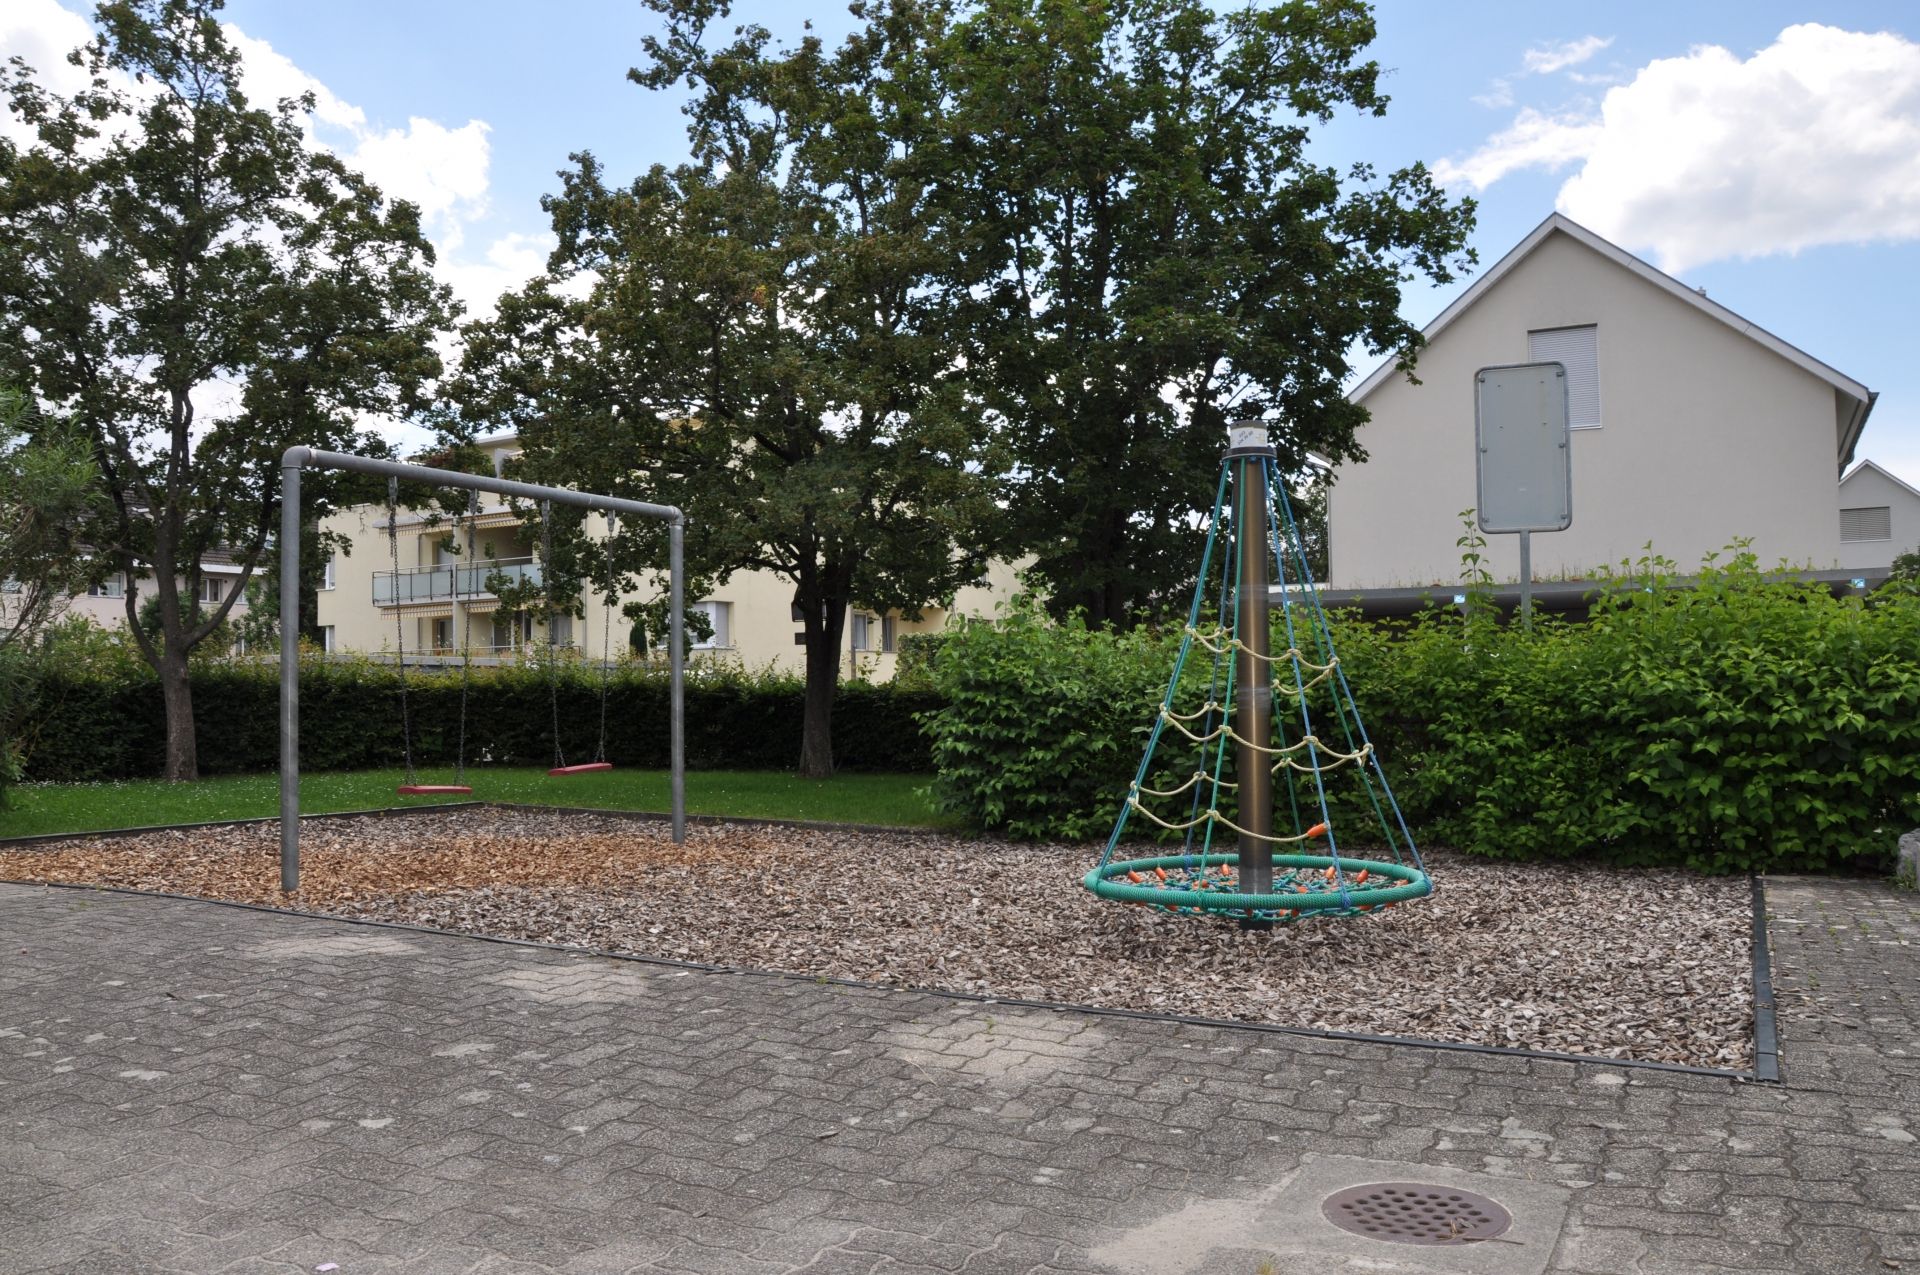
(193, 1088)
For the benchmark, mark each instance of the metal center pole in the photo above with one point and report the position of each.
(1253, 674)
(1526, 580)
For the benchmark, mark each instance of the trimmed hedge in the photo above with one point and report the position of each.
(103, 720)
(1732, 725)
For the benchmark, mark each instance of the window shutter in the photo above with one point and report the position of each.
(1869, 522)
(1578, 350)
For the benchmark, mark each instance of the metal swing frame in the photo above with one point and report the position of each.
(298, 459)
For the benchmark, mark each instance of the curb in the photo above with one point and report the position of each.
(1189, 1020)
(1766, 1028)
(646, 816)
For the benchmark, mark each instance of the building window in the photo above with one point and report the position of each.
(1869, 522)
(1578, 350)
(114, 586)
(326, 637)
(326, 573)
(443, 635)
(560, 629)
(720, 616)
(512, 632)
(213, 589)
(866, 628)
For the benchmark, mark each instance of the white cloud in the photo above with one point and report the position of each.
(1545, 59)
(508, 262)
(1533, 140)
(1813, 140)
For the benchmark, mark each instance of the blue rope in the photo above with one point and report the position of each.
(1173, 683)
(1267, 469)
(1340, 674)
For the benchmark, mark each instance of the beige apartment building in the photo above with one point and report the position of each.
(438, 602)
(1691, 426)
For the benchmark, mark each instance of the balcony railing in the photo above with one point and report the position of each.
(443, 581)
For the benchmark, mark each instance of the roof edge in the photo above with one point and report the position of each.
(1559, 222)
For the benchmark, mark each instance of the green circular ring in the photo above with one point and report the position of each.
(1100, 881)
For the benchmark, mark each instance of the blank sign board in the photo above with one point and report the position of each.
(1520, 430)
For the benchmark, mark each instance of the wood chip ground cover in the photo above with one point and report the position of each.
(1646, 965)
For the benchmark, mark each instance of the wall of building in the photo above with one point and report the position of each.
(111, 612)
(1867, 487)
(759, 629)
(1705, 436)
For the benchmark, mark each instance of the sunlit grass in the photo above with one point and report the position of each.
(893, 800)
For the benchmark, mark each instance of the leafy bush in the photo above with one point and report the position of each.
(1041, 725)
(99, 716)
(1732, 723)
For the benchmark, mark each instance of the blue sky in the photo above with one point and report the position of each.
(1769, 152)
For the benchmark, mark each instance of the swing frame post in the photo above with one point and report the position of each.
(300, 458)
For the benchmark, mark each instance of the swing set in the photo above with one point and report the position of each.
(298, 459)
(412, 787)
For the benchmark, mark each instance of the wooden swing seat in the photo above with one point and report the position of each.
(582, 768)
(427, 790)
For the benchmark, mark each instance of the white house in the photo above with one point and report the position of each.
(1879, 519)
(1691, 426)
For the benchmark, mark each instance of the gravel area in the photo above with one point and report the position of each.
(1624, 964)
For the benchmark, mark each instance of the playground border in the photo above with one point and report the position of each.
(1766, 1068)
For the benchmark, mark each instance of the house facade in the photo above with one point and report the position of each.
(1879, 519)
(105, 603)
(1691, 426)
(438, 604)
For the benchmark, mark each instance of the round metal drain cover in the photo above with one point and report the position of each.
(1416, 1213)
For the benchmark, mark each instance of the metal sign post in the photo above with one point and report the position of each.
(1524, 463)
(300, 458)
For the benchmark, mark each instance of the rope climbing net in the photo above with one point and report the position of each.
(1260, 755)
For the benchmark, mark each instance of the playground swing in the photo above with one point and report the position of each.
(413, 787)
(599, 762)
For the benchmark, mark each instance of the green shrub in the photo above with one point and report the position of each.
(1731, 724)
(99, 716)
(1041, 725)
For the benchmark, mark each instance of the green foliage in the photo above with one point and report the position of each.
(98, 716)
(1165, 254)
(1041, 724)
(157, 242)
(762, 337)
(1733, 724)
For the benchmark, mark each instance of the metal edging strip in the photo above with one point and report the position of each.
(1766, 1027)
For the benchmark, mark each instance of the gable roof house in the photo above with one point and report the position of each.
(1879, 519)
(1691, 426)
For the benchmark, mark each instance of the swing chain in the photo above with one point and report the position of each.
(466, 636)
(606, 645)
(553, 651)
(399, 624)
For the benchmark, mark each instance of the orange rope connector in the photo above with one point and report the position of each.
(1318, 830)
(1135, 877)
(1360, 878)
(1161, 873)
(1328, 873)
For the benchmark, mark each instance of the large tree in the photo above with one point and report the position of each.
(1169, 256)
(765, 336)
(199, 288)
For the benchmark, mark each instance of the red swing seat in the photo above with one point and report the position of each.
(582, 768)
(426, 790)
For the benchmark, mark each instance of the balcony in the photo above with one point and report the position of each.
(445, 581)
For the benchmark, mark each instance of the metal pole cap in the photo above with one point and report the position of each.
(1248, 438)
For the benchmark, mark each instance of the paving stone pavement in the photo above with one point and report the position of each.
(191, 1088)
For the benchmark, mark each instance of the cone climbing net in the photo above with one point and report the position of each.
(1317, 754)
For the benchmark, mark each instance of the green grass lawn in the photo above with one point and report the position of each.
(894, 800)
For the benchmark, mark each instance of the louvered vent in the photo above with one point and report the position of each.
(1576, 349)
(1869, 522)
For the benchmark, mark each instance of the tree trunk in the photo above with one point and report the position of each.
(176, 688)
(824, 615)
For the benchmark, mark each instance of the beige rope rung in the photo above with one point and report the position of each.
(1337, 760)
(1225, 730)
(1198, 776)
(1200, 712)
(1232, 643)
(1214, 816)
